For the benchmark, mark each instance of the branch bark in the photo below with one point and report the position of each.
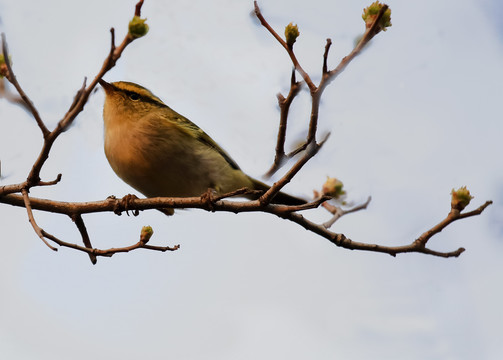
(283, 211)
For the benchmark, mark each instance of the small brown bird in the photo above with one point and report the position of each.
(161, 153)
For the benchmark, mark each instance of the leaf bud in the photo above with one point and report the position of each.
(146, 234)
(370, 13)
(460, 198)
(138, 27)
(291, 34)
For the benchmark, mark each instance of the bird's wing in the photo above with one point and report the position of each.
(191, 129)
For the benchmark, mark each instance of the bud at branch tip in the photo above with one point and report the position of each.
(370, 14)
(291, 34)
(460, 198)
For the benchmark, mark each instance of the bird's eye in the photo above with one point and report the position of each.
(134, 96)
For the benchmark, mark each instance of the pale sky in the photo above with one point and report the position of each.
(417, 114)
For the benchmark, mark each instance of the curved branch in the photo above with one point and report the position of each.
(109, 252)
(286, 212)
(31, 219)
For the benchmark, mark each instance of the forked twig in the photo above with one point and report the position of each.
(284, 105)
(50, 137)
(453, 215)
(339, 212)
(315, 91)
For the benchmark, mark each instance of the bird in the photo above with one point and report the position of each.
(159, 152)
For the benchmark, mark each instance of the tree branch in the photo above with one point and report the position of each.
(282, 211)
(13, 80)
(339, 212)
(85, 236)
(311, 151)
(13, 98)
(75, 108)
(453, 215)
(283, 43)
(284, 105)
(316, 91)
(110, 252)
(31, 219)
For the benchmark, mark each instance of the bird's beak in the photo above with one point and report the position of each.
(106, 86)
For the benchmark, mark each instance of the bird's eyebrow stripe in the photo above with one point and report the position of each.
(143, 97)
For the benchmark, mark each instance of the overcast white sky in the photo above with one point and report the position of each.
(418, 113)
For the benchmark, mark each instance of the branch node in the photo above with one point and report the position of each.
(208, 200)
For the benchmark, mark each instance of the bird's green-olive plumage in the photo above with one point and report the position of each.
(161, 153)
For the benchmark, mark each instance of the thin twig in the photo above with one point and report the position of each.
(475, 212)
(367, 36)
(78, 105)
(32, 221)
(453, 215)
(307, 206)
(11, 97)
(85, 236)
(339, 212)
(137, 9)
(12, 79)
(296, 151)
(79, 94)
(283, 43)
(109, 252)
(50, 183)
(329, 76)
(325, 56)
(284, 105)
(316, 92)
(342, 241)
(311, 151)
(114, 54)
(50, 137)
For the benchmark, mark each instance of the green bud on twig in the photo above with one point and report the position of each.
(146, 234)
(460, 198)
(370, 13)
(291, 34)
(138, 27)
(333, 187)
